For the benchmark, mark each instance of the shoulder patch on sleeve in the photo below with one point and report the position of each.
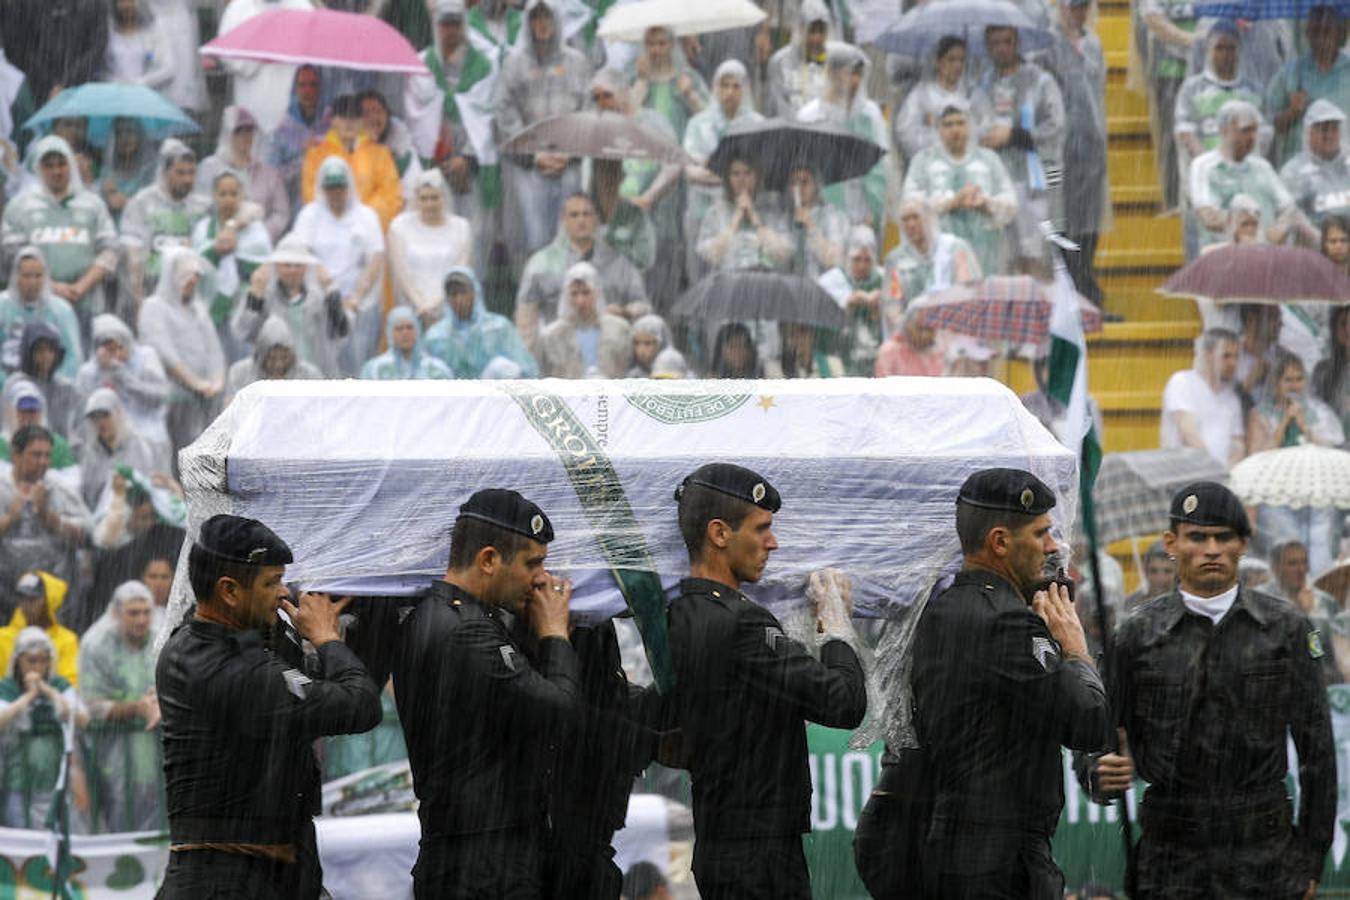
(1044, 651)
(508, 656)
(297, 682)
(774, 638)
(1315, 649)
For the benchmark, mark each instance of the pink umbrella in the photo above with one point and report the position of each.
(1260, 273)
(319, 37)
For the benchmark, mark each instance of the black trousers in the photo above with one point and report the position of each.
(970, 862)
(763, 868)
(589, 872)
(505, 865)
(888, 844)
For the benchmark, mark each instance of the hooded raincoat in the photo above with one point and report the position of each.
(318, 335)
(124, 760)
(1079, 67)
(563, 345)
(1320, 185)
(262, 183)
(935, 177)
(541, 283)
(944, 261)
(139, 382)
(182, 333)
(154, 219)
(33, 743)
(98, 459)
(74, 232)
(374, 176)
(57, 389)
(705, 130)
(863, 199)
(65, 645)
(394, 365)
(17, 312)
(915, 126)
(287, 145)
(274, 333)
(795, 81)
(656, 327)
(862, 337)
(470, 346)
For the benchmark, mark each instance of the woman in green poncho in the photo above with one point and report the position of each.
(33, 703)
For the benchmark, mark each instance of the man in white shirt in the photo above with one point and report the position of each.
(1201, 407)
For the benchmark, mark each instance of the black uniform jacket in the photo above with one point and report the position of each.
(1208, 709)
(742, 691)
(238, 728)
(995, 700)
(478, 718)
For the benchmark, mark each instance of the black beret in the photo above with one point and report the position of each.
(242, 540)
(1012, 490)
(734, 481)
(509, 510)
(1209, 503)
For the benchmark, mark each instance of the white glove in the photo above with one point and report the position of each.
(829, 590)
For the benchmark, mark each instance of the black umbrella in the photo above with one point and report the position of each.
(777, 147)
(749, 295)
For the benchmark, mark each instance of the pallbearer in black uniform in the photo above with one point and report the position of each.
(1209, 684)
(1002, 679)
(239, 722)
(744, 691)
(481, 721)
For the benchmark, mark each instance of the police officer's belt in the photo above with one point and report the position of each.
(1216, 822)
(253, 831)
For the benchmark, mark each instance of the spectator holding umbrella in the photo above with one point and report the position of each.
(732, 103)
(1321, 73)
(1234, 168)
(967, 186)
(238, 152)
(1319, 175)
(540, 77)
(735, 354)
(130, 163)
(1021, 114)
(845, 104)
(473, 342)
(264, 89)
(741, 232)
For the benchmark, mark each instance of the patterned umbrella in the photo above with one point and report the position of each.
(1260, 273)
(1012, 308)
(1133, 492)
(1296, 477)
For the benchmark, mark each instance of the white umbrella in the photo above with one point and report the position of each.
(630, 21)
(1296, 477)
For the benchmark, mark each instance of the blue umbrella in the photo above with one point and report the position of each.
(102, 102)
(918, 31)
(1251, 10)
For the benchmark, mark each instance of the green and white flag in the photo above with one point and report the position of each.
(1067, 383)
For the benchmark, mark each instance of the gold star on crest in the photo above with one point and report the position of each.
(766, 403)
